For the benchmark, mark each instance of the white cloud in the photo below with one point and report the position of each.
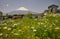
(23, 8)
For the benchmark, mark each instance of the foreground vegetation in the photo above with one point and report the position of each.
(46, 27)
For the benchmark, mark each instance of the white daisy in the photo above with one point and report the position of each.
(15, 24)
(19, 30)
(5, 27)
(54, 15)
(9, 28)
(57, 28)
(1, 34)
(45, 13)
(32, 27)
(42, 23)
(34, 30)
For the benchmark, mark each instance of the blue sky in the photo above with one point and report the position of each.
(31, 5)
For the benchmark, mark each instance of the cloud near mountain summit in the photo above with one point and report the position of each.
(23, 8)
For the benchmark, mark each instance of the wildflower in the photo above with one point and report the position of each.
(16, 34)
(1, 34)
(57, 28)
(32, 27)
(34, 30)
(42, 23)
(35, 19)
(19, 30)
(39, 23)
(54, 15)
(45, 13)
(5, 24)
(12, 20)
(4, 27)
(15, 24)
(9, 28)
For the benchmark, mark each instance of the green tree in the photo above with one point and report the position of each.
(29, 15)
(1, 15)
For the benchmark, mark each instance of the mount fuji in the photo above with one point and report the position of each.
(21, 10)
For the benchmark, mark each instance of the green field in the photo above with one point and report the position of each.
(46, 27)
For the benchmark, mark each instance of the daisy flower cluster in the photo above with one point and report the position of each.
(47, 27)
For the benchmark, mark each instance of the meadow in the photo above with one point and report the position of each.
(46, 27)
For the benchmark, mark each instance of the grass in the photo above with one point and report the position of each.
(47, 27)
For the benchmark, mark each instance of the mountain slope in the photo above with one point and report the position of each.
(20, 12)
